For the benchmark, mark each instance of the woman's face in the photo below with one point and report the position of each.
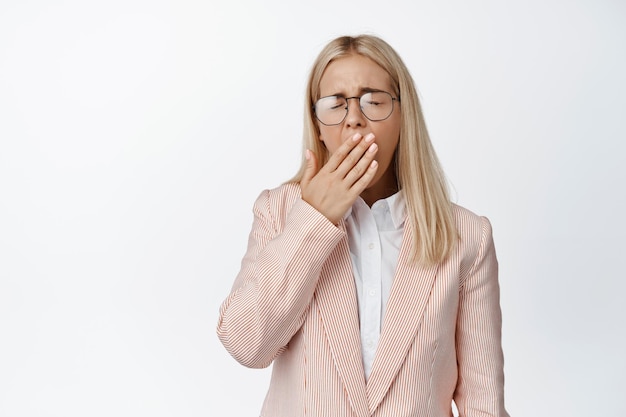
(353, 76)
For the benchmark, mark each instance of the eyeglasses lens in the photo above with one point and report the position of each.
(332, 110)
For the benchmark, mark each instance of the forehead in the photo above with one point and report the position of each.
(352, 74)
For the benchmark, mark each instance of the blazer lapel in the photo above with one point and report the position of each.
(409, 295)
(336, 300)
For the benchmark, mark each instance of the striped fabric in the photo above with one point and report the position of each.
(293, 305)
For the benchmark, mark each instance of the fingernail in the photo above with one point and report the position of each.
(369, 137)
(373, 147)
(356, 137)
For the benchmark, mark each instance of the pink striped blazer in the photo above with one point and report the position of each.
(293, 305)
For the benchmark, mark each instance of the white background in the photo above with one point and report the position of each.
(135, 136)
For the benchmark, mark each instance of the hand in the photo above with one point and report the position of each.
(333, 189)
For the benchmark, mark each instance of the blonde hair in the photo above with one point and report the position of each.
(418, 170)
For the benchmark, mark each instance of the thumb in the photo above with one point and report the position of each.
(311, 167)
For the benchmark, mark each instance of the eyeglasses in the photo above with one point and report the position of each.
(375, 105)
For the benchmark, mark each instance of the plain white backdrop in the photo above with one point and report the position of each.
(135, 136)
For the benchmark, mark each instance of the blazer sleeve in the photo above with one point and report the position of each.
(480, 386)
(277, 279)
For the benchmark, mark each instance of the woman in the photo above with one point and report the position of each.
(365, 287)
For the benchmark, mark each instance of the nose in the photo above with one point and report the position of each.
(355, 117)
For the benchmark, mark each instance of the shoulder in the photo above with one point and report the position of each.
(474, 232)
(278, 201)
(278, 207)
(281, 197)
(286, 191)
(468, 222)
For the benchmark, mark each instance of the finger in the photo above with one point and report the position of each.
(311, 167)
(361, 167)
(355, 155)
(361, 184)
(342, 152)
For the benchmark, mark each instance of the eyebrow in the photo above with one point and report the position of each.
(362, 91)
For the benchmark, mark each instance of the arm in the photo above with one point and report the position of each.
(274, 287)
(480, 387)
(282, 264)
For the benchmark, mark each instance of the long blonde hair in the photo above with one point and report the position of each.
(418, 170)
